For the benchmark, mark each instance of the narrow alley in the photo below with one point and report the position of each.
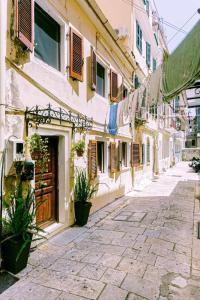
(142, 246)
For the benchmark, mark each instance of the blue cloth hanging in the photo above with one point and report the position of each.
(112, 125)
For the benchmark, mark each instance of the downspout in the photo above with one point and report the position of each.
(3, 43)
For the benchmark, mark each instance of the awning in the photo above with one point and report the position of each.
(182, 67)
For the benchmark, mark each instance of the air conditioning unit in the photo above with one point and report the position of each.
(14, 152)
(122, 32)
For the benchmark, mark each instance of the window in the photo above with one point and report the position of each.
(154, 64)
(148, 54)
(125, 93)
(100, 89)
(153, 110)
(124, 154)
(148, 151)
(138, 37)
(100, 157)
(143, 154)
(47, 38)
(176, 104)
(147, 7)
(137, 82)
(156, 38)
(144, 98)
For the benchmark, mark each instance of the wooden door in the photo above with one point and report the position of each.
(46, 185)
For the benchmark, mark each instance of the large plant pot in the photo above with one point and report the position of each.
(10, 251)
(82, 210)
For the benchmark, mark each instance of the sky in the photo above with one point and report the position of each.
(177, 12)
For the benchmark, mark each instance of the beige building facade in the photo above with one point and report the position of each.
(62, 70)
(65, 66)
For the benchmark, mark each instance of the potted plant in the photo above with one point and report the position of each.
(83, 192)
(79, 147)
(19, 225)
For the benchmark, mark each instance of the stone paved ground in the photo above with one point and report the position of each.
(142, 246)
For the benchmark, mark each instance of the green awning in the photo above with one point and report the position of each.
(182, 67)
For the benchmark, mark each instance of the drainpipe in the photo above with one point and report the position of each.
(3, 42)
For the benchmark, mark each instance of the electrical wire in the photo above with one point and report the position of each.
(173, 27)
(187, 21)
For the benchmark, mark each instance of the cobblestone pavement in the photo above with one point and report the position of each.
(142, 246)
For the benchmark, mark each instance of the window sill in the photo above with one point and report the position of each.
(125, 169)
(49, 68)
(99, 97)
(102, 176)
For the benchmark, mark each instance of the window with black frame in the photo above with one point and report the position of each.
(100, 156)
(100, 80)
(124, 154)
(47, 38)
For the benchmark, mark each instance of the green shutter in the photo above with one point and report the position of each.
(138, 37)
(147, 7)
(148, 54)
(154, 64)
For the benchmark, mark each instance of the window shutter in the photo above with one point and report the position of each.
(24, 10)
(113, 157)
(113, 86)
(92, 159)
(93, 70)
(76, 55)
(135, 154)
(119, 156)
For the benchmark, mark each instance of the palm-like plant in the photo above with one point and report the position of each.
(83, 189)
(19, 220)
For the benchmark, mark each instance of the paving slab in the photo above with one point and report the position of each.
(141, 246)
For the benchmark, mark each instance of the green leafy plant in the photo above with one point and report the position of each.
(83, 189)
(19, 220)
(139, 122)
(40, 145)
(79, 147)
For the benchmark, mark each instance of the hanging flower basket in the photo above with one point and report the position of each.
(79, 147)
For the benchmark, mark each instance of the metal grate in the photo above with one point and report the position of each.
(37, 115)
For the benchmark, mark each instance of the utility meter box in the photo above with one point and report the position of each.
(14, 152)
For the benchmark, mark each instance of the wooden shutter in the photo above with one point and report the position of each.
(76, 55)
(113, 86)
(113, 157)
(119, 156)
(92, 159)
(135, 154)
(93, 70)
(24, 13)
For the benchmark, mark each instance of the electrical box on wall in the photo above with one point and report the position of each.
(14, 152)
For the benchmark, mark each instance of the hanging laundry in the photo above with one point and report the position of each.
(112, 125)
(120, 114)
(155, 87)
